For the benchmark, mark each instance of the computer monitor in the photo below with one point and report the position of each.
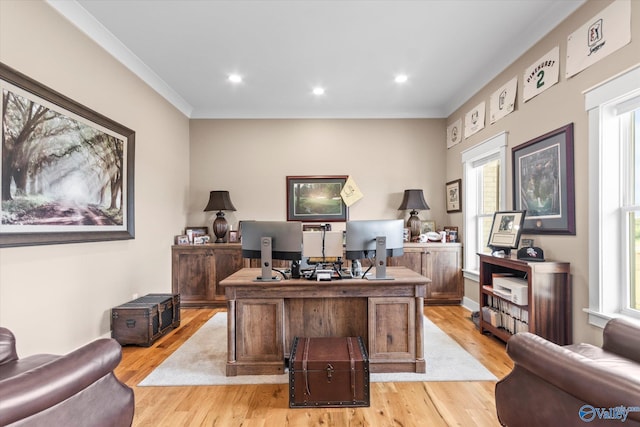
(269, 240)
(382, 237)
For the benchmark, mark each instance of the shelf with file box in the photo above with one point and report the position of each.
(525, 296)
(502, 309)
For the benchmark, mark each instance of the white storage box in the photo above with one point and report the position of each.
(513, 289)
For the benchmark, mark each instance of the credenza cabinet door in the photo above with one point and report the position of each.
(440, 262)
(197, 270)
(443, 265)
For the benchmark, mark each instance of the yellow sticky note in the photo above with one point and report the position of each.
(350, 192)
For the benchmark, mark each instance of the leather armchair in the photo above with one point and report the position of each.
(79, 388)
(574, 385)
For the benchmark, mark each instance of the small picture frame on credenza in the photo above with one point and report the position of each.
(182, 239)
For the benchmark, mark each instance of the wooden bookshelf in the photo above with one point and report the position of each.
(548, 312)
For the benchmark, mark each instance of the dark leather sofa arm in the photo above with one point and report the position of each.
(622, 338)
(579, 376)
(7, 346)
(44, 386)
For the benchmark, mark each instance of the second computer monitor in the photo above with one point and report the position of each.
(384, 238)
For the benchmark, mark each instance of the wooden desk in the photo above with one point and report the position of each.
(264, 318)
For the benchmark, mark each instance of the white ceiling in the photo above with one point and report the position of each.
(185, 50)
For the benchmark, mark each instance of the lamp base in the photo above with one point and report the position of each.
(220, 227)
(415, 225)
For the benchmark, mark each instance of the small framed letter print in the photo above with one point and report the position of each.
(454, 196)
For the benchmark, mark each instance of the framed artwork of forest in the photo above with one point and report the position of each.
(67, 172)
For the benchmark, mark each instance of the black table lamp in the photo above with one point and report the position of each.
(219, 201)
(414, 200)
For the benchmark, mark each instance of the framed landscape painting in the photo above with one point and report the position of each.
(67, 171)
(316, 198)
(543, 182)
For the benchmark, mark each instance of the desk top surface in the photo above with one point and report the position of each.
(401, 276)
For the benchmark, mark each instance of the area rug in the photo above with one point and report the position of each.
(201, 360)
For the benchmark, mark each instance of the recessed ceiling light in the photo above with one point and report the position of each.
(235, 78)
(401, 78)
(318, 91)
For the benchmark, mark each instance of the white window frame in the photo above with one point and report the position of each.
(488, 150)
(608, 278)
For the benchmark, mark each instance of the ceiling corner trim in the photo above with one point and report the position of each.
(84, 21)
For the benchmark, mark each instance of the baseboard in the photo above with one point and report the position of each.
(470, 304)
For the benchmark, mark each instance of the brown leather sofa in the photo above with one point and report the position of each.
(574, 385)
(71, 390)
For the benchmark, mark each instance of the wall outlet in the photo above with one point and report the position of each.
(134, 296)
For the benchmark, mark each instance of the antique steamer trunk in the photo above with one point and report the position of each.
(143, 320)
(328, 372)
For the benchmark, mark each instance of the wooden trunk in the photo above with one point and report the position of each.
(328, 372)
(143, 320)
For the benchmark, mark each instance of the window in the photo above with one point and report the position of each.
(484, 188)
(630, 209)
(614, 208)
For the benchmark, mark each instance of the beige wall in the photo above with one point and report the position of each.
(251, 159)
(58, 297)
(556, 107)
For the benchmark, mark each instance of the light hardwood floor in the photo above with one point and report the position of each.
(392, 404)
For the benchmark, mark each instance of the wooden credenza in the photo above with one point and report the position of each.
(442, 263)
(264, 317)
(198, 269)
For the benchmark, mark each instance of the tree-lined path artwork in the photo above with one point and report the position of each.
(58, 170)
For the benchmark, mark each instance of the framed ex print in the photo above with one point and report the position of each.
(506, 230)
(543, 182)
(316, 198)
(454, 196)
(67, 171)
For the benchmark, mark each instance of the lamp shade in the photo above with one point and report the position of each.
(414, 200)
(219, 201)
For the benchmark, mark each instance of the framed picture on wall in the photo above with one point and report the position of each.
(454, 196)
(67, 171)
(316, 198)
(543, 182)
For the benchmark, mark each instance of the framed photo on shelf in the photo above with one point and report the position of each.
(506, 229)
(201, 239)
(233, 236)
(428, 226)
(543, 182)
(452, 233)
(316, 198)
(193, 232)
(182, 239)
(454, 196)
(526, 243)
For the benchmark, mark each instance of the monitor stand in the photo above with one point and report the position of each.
(266, 261)
(381, 260)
